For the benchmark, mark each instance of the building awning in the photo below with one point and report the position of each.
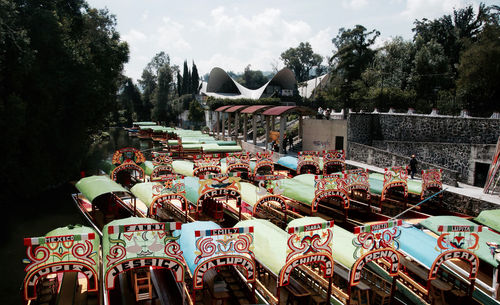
(254, 109)
(279, 110)
(221, 108)
(235, 108)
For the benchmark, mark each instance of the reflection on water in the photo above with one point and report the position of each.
(118, 139)
(37, 215)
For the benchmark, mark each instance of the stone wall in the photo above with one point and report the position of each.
(366, 127)
(382, 158)
(459, 157)
(455, 143)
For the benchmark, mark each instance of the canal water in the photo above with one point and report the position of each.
(36, 216)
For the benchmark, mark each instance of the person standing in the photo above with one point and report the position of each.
(413, 166)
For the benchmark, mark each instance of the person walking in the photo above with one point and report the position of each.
(413, 166)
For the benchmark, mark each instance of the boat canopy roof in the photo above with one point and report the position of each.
(144, 123)
(144, 191)
(187, 240)
(183, 167)
(490, 218)
(423, 251)
(342, 250)
(483, 252)
(300, 188)
(95, 186)
(269, 244)
(148, 167)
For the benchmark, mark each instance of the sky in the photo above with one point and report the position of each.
(232, 34)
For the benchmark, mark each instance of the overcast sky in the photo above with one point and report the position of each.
(232, 34)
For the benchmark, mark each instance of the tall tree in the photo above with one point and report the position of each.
(179, 84)
(149, 81)
(479, 70)
(352, 57)
(195, 79)
(186, 79)
(161, 109)
(301, 60)
(60, 67)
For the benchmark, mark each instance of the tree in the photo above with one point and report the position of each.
(186, 79)
(479, 72)
(60, 68)
(252, 79)
(301, 60)
(130, 100)
(161, 109)
(352, 57)
(149, 81)
(195, 80)
(196, 113)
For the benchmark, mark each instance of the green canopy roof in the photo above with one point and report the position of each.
(95, 186)
(484, 252)
(144, 191)
(183, 167)
(269, 243)
(342, 250)
(144, 123)
(148, 167)
(300, 188)
(490, 218)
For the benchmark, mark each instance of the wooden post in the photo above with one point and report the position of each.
(223, 127)
(266, 137)
(273, 121)
(229, 129)
(393, 289)
(471, 290)
(254, 127)
(300, 127)
(237, 125)
(329, 292)
(217, 127)
(282, 131)
(349, 289)
(245, 119)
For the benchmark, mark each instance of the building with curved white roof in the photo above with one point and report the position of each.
(221, 85)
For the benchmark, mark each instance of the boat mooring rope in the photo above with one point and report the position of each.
(419, 203)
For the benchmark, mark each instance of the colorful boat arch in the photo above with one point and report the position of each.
(223, 247)
(205, 164)
(128, 159)
(329, 187)
(238, 161)
(67, 249)
(460, 254)
(271, 200)
(333, 158)
(395, 177)
(308, 244)
(263, 159)
(431, 180)
(387, 253)
(158, 249)
(162, 163)
(217, 185)
(356, 180)
(307, 160)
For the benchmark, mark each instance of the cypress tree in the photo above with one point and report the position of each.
(195, 79)
(186, 79)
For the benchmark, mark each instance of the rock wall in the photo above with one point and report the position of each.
(454, 143)
(382, 158)
(366, 127)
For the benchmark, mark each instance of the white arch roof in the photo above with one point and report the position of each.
(219, 81)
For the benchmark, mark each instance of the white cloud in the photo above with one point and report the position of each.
(355, 4)
(134, 36)
(430, 9)
(236, 39)
(322, 43)
(170, 36)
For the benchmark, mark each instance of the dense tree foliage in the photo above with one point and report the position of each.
(60, 64)
(252, 79)
(301, 60)
(452, 63)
